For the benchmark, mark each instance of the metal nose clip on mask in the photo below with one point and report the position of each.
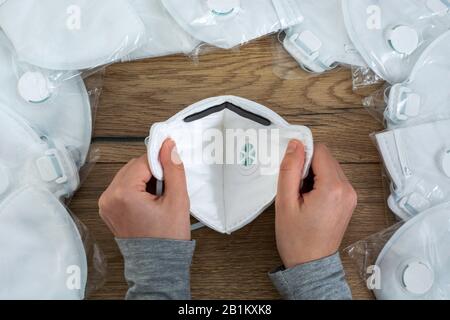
(414, 263)
(231, 149)
(71, 34)
(391, 35)
(425, 96)
(227, 24)
(62, 113)
(320, 42)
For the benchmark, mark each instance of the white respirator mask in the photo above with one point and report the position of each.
(43, 257)
(163, 35)
(227, 24)
(418, 162)
(320, 42)
(62, 112)
(27, 158)
(425, 96)
(414, 263)
(391, 35)
(71, 34)
(231, 149)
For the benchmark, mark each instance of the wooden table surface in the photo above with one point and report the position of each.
(137, 94)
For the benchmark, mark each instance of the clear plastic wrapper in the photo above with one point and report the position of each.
(46, 137)
(66, 38)
(424, 96)
(376, 103)
(320, 43)
(363, 77)
(391, 35)
(408, 261)
(44, 254)
(417, 161)
(164, 36)
(230, 24)
(286, 67)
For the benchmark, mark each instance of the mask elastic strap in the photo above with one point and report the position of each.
(197, 226)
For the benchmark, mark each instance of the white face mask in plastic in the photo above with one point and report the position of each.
(425, 96)
(227, 24)
(320, 42)
(418, 162)
(43, 256)
(231, 149)
(63, 112)
(391, 35)
(414, 263)
(71, 34)
(29, 159)
(164, 36)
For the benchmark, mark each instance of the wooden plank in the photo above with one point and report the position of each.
(139, 93)
(347, 135)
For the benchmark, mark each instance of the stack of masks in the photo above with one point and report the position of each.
(407, 43)
(52, 34)
(387, 36)
(45, 139)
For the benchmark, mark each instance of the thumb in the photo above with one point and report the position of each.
(291, 172)
(174, 174)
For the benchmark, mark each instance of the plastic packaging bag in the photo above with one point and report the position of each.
(408, 260)
(164, 36)
(66, 38)
(230, 24)
(424, 96)
(363, 77)
(391, 35)
(320, 43)
(46, 252)
(417, 161)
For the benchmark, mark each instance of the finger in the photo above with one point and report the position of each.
(341, 173)
(324, 166)
(291, 172)
(174, 174)
(138, 171)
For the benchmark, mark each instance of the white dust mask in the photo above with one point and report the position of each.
(71, 34)
(231, 149)
(391, 35)
(425, 96)
(43, 256)
(26, 158)
(320, 42)
(226, 24)
(414, 263)
(61, 112)
(164, 36)
(418, 162)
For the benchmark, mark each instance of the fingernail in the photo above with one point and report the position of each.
(292, 146)
(175, 156)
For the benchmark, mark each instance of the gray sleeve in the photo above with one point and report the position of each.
(323, 279)
(157, 269)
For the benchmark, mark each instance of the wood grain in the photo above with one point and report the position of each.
(138, 94)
